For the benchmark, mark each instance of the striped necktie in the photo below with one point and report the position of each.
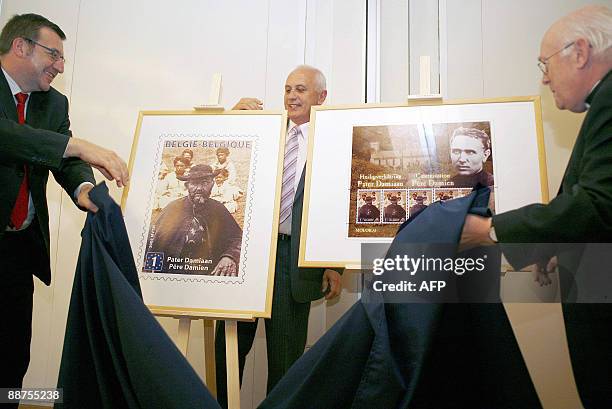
(20, 209)
(289, 172)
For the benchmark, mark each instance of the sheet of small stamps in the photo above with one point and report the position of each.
(399, 170)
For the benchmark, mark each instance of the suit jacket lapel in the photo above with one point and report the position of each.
(299, 191)
(7, 101)
(36, 106)
(296, 210)
(34, 113)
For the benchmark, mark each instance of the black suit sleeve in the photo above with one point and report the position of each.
(24, 144)
(582, 212)
(72, 171)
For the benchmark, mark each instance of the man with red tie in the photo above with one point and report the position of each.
(35, 138)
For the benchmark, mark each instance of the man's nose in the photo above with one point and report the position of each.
(59, 65)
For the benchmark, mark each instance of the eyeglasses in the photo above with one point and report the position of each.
(54, 53)
(543, 63)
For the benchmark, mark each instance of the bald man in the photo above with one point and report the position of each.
(576, 63)
(294, 288)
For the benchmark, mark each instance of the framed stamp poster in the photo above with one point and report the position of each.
(202, 209)
(391, 162)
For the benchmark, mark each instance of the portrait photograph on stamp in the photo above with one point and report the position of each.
(201, 209)
(399, 158)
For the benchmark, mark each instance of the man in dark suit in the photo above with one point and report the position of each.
(34, 139)
(294, 288)
(576, 60)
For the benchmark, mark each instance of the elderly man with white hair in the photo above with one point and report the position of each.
(576, 63)
(294, 287)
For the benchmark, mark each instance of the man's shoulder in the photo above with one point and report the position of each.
(602, 99)
(606, 82)
(215, 206)
(175, 205)
(53, 96)
(54, 93)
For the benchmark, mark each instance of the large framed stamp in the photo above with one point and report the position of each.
(202, 209)
(391, 162)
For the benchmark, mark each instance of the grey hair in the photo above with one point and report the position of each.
(593, 23)
(320, 82)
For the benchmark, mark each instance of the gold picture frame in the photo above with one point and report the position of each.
(515, 128)
(171, 282)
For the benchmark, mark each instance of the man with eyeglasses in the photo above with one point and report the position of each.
(576, 62)
(35, 138)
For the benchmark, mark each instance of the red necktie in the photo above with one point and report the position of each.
(20, 210)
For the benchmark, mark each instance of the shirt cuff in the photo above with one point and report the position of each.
(77, 191)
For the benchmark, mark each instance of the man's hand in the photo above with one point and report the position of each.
(332, 280)
(248, 104)
(106, 161)
(225, 267)
(475, 232)
(83, 198)
(542, 271)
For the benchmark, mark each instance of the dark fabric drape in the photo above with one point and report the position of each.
(415, 355)
(116, 355)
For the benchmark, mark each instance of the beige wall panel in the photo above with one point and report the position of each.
(394, 51)
(286, 42)
(464, 49)
(347, 76)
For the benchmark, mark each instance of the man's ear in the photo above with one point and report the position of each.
(20, 47)
(322, 96)
(584, 52)
(487, 153)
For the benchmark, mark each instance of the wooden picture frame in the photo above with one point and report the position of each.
(333, 206)
(180, 238)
